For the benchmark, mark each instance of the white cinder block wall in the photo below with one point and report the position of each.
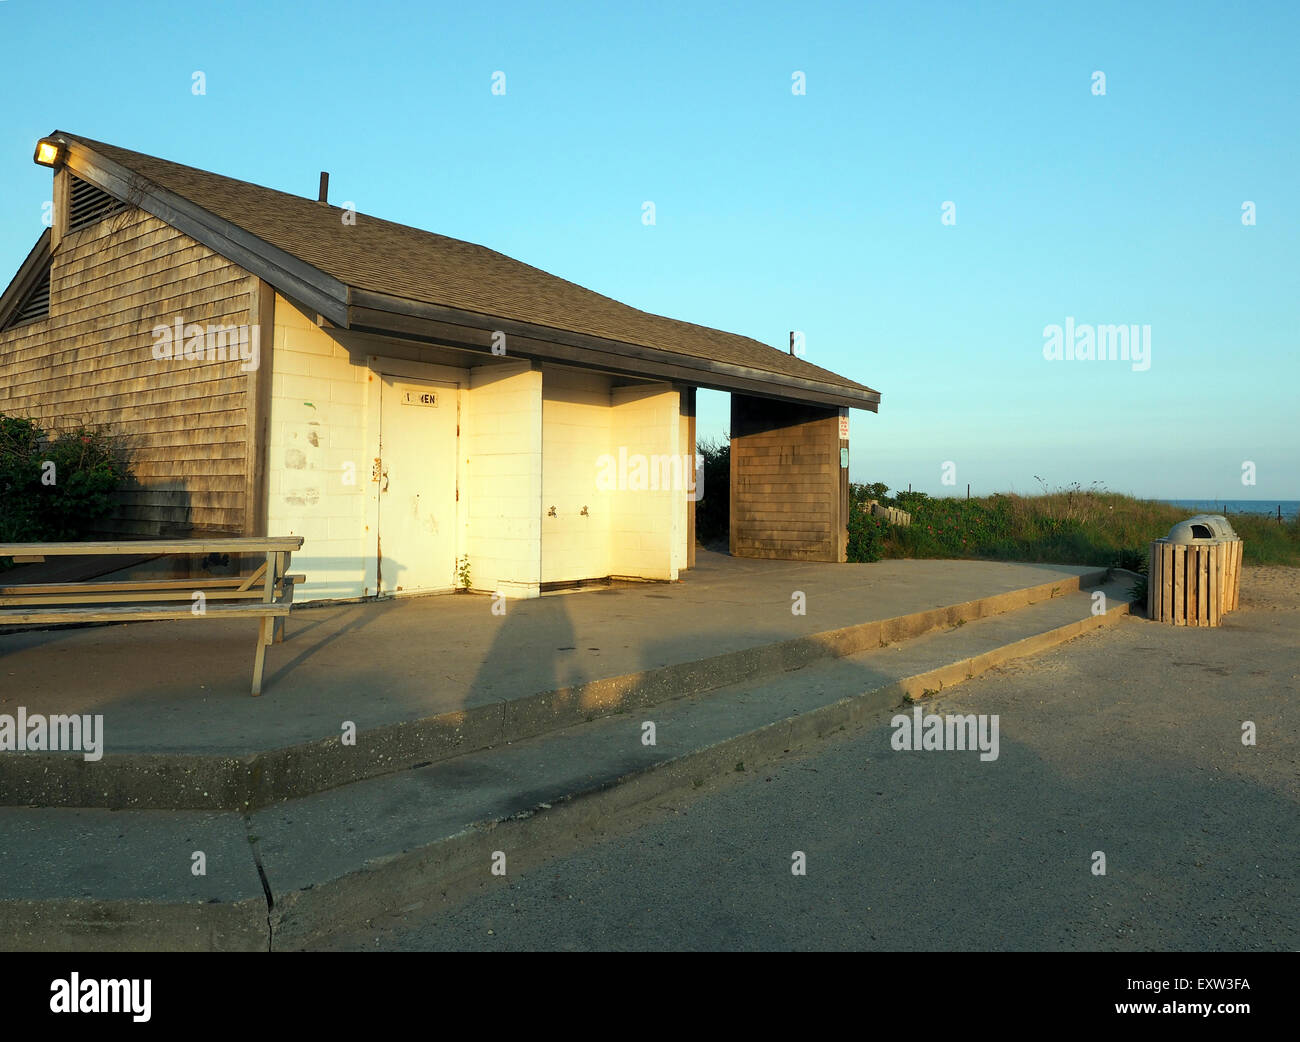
(575, 435)
(531, 438)
(324, 435)
(686, 446)
(648, 526)
(318, 425)
(501, 437)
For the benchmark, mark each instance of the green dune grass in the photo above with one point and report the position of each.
(1074, 525)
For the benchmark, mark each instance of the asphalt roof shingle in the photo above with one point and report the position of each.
(401, 261)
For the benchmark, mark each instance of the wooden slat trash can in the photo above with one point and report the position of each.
(1195, 573)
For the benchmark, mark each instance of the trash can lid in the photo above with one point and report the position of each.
(1218, 523)
(1200, 530)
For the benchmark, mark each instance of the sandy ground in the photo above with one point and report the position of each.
(1270, 588)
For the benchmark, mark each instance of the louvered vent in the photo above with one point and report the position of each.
(88, 204)
(35, 305)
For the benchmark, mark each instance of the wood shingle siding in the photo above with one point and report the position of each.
(788, 492)
(91, 361)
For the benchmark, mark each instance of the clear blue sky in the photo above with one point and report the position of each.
(775, 212)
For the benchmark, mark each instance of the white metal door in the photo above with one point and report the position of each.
(417, 485)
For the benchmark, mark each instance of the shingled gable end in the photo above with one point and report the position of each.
(410, 404)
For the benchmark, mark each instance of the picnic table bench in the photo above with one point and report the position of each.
(266, 593)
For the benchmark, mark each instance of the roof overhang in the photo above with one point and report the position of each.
(414, 320)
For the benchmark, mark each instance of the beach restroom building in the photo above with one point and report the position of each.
(412, 405)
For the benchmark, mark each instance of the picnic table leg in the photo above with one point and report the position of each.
(259, 660)
(268, 592)
(278, 630)
(266, 624)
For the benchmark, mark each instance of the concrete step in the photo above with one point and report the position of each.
(335, 859)
(147, 777)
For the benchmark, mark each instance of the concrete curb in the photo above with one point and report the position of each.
(159, 781)
(450, 869)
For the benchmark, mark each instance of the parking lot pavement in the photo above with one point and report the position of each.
(1127, 742)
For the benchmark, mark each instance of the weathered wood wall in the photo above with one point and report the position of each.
(91, 362)
(789, 495)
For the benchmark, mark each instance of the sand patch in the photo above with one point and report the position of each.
(1271, 587)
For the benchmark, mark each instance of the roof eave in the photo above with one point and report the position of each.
(387, 315)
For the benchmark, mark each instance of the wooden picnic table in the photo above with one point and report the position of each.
(266, 593)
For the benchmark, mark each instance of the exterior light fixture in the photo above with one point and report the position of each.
(49, 152)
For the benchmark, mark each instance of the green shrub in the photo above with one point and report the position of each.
(910, 501)
(55, 487)
(713, 511)
(866, 536)
(861, 495)
(1132, 559)
(19, 472)
(1137, 593)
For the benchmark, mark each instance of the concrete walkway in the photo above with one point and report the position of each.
(183, 687)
